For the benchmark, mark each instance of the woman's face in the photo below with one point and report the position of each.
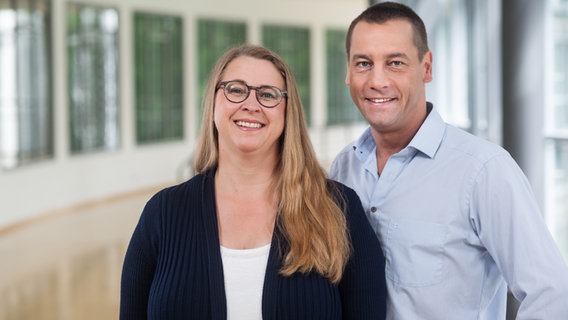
(247, 127)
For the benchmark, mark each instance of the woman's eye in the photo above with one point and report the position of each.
(268, 95)
(236, 90)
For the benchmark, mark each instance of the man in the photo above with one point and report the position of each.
(455, 214)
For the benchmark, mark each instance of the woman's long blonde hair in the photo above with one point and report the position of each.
(310, 214)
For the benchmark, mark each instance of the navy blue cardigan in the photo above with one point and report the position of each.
(173, 267)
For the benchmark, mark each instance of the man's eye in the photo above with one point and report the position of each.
(363, 64)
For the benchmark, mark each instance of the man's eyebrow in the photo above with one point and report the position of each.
(395, 55)
(398, 55)
(360, 56)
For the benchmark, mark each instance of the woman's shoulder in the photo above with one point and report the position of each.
(351, 204)
(182, 189)
(340, 189)
(176, 196)
(175, 205)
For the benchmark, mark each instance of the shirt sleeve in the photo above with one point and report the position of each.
(508, 221)
(140, 264)
(363, 286)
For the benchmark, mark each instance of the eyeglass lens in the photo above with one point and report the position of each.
(238, 91)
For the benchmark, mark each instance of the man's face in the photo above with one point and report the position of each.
(385, 76)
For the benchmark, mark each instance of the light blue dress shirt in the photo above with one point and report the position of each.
(458, 223)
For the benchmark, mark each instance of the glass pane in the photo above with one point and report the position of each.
(557, 193)
(214, 38)
(26, 132)
(293, 44)
(158, 77)
(93, 82)
(466, 78)
(448, 37)
(559, 113)
(556, 125)
(341, 109)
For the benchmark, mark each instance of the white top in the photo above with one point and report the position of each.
(244, 279)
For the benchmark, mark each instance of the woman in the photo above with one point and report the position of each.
(259, 232)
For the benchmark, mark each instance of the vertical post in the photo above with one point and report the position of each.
(523, 59)
(523, 87)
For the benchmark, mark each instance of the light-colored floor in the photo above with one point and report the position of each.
(67, 265)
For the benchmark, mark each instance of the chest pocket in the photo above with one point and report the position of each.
(414, 251)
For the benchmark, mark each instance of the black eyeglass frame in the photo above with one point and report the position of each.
(283, 93)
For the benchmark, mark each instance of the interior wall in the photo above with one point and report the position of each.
(68, 180)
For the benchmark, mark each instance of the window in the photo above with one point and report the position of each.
(341, 109)
(26, 128)
(93, 82)
(158, 77)
(448, 41)
(466, 87)
(214, 38)
(557, 193)
(556, 129)
(293, 45)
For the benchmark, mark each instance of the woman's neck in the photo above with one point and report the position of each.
(246, 206)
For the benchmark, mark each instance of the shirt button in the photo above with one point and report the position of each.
(373, 209)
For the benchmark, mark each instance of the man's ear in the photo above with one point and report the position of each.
(427, 63)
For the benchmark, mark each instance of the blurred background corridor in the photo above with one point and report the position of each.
(100, 108)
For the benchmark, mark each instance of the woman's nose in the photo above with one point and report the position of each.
(251, 102)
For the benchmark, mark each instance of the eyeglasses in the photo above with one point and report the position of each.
(238, 91)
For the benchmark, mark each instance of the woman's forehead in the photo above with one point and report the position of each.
(254, 71)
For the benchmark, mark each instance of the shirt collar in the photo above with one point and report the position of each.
(427, 140)
(429, 137)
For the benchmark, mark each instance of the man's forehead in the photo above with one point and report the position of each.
(385, 39)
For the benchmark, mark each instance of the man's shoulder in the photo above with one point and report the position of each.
(346, 152)
(345, 160)
(356, 148)
(462, 141)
